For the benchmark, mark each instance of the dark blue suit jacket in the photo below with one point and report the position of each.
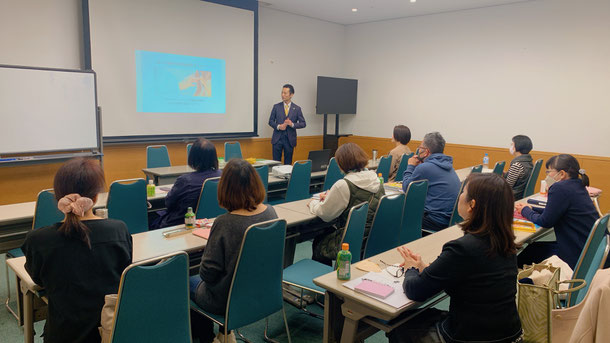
(278, 116)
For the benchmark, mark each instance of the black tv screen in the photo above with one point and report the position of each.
(336, 96)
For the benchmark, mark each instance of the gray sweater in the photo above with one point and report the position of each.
(220, 258)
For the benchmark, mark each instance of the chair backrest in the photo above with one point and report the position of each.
(404, 162)
(354, 229)
(298, 185)
(259, 267)
(455, 216)
(592, 258)
(477, 169)
(127, 202)
(333, 174)
(415, 199)
(499, 168)
(385, 230)
(531, 182)
(385, 162)
(46, 212)
(153, 301)
(188, 150)
(263, 172)
(232, 150)
(207, 206)
(157, 156)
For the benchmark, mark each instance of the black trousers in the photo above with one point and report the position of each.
(283, 145)
(429, 224)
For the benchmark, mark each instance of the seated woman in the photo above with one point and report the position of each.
(521, 166)
(478, 271)
(359, 185)
(400, 137)
(241, 192)
(187, 188)
(79, 260)
(569, 210)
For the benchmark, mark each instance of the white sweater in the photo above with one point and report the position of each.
(337, 199)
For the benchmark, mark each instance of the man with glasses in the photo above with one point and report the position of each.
(431, 164)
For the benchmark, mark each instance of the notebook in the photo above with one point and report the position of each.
(375, 289)
(203, 233)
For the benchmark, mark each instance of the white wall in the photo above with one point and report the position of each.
(540, 68)
(295, 49)
(292, 49)
(41, 33)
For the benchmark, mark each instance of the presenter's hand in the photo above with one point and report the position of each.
(282, 127)
(288, 122)
(414, 161)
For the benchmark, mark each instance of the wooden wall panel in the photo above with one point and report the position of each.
(20, 184)
(597, 167)
(125, 161)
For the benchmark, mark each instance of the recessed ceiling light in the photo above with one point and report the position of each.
(413, 0)
(354, 10)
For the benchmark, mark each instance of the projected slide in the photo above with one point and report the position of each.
(179, 84)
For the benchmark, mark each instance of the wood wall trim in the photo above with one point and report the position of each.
(124, 161)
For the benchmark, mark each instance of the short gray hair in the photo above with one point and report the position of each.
(434, 142)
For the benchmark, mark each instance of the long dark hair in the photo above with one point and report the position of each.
(84, 177)
(492, 214)
(570, 165)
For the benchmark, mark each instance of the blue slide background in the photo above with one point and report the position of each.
(158, 78)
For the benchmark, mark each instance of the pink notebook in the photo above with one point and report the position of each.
(203, 233)
(374, 289)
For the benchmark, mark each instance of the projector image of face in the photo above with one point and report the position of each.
(201, 79)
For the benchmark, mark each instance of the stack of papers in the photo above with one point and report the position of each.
(396, 299)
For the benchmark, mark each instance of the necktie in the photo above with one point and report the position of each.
(286, 108)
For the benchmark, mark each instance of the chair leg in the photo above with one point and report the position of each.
(8, 291)
(266, 338)
(286, 324)
(241, 337)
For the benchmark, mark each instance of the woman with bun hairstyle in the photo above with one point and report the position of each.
(79, 260)
(569, 210)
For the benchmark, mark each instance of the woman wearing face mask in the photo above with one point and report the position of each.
(569, 210)
(521, 166)
(478, 271)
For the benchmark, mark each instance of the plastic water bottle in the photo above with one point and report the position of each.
(543, 187)
(486, 161)
(150, 189)
(344, 261)
(381, 179)
(189, 219)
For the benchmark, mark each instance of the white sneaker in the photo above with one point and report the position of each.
(220, 338)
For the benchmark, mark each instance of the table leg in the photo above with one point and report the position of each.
(28, 315)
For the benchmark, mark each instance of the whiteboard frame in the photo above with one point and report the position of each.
(63, 154)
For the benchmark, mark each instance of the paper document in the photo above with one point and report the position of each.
(398, 299)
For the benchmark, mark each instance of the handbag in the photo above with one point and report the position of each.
(107, 317)
(535, 303)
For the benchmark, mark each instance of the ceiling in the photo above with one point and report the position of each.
(340, 11)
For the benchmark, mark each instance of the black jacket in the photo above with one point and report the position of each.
(482, 290)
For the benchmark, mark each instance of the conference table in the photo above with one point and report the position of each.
(16, 219)
(146, 245)
(352, 309)
(168, 175)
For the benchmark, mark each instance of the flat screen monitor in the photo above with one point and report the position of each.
(336, 95)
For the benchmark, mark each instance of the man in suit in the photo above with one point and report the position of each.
(285, 118)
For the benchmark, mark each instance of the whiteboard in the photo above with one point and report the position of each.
(45, 110)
